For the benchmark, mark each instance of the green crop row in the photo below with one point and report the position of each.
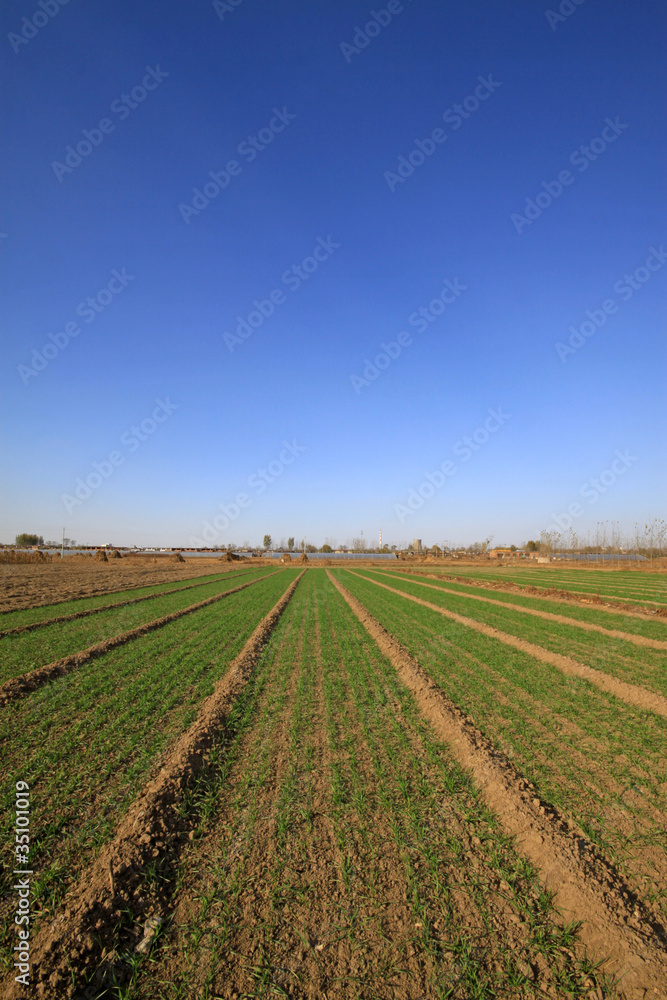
(345, 846)
(635, 664)
(87, 743)
(27, 650)
(602, 761)
(653, 628)
(28, 616)
(242, 770)
(646, 588)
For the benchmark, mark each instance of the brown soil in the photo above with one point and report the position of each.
(557, 594)
(638, 640)
(587, 887)
(32, 586)
(631, 694)
(81, 939)
(94, 611)
(17, 687)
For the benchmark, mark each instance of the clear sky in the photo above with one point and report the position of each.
(215, 215)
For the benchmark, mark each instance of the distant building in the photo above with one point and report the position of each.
(417, 544)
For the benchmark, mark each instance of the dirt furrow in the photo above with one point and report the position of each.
(31, 626)
(613, 633)
(631, 694)
(105, 897)
(558, 594)
(616, 924)
(16, 687)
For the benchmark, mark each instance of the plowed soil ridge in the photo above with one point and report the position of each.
(76, 943)
(631, 694)
(30, 586)
(557, 594)
(31, 626)
(17, 687)
(613, 633)
(616, 925)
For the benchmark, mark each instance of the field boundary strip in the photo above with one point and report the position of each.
(75, 941)
(103, 607)
(587, 887)
(612, 633)
(17, 687)
(603, 602)
(105, 593)
(631, 694)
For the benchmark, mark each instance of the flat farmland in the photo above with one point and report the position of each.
(346, 782)
(28, 585)
(624, 585)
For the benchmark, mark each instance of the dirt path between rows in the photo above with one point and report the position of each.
(106, 896)
(298, 949)
(331, 935)
(31, 626)
(608, 604)
(616, 924)
(631, 694)
(638, 640)
(17, 687)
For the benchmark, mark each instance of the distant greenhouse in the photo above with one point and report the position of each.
(337, 555)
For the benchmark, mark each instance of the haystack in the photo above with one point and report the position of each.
(115, 554)
(177, 557)
(11, 556)
(100, 556)
(303, 558)
(229, 557)
(286, 557)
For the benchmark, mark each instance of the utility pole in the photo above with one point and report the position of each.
(62, 546)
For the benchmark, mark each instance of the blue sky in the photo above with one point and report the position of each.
(336, 110)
